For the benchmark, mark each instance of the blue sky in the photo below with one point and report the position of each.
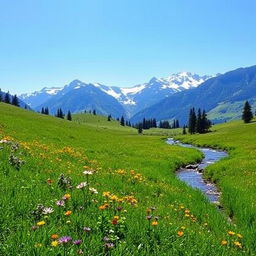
(121, 42)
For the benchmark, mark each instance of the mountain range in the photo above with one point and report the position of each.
(79, 96)
(221, 95)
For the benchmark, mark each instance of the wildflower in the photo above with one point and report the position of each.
(54, 243)
(180, 233)
(238, 244)
(77, 242)
(106, 194)
(224, 242)
(89, 172)
(65, 239)
(68, 213)
(154, 223)
(93, 191)
(48, 210)
(54, 236)
(40, 223)
(109, 245)
(149, 217)
(38, 245)
(106, 239)
(66, 197)
(79, 252)
(231, 233)
(115, 221)
(49, 181)
(68, 222)
(239, 235)
(103, 207)
(87, 229)
(35, 227)
(82, 185)
(60, 203)
(183, 227)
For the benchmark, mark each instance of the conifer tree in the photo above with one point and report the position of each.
(69, 117)
(1, 97)
(192, 121)
(206, 124)
(94, 112)
(140, 130)
(46, 111)
(109, 117)
(15, 101)
(199, 127)
(42, 111)
(177, 125)
(174, 124)
(122, 121)
(184, 130)
(7, 98)
(247, 113)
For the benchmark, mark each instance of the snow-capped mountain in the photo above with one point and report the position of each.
(132, 99)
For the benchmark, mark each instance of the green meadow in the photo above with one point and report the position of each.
(92, 187)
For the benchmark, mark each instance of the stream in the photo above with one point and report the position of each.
(192, 174)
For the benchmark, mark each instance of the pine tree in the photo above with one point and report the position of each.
(46, 111)
(94, 112)
(42, 111)
(109, 117)
(192, 121)
(205, 123)
(140, 130)
(177, 124)
(69, 117)
(1, 97)
(199, 127)
(7, 98)
(174, 124)
(15, 101)
(247, 113)
(122, 121)
(184, 130)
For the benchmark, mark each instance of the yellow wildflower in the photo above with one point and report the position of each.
(238, 244)
(40, 223)
(54, 243)
(154, 223)
(231, 233)
(224, 242)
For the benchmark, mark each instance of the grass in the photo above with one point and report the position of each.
(137, 174)
(235, 175)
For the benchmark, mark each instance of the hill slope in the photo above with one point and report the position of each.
(134, 172)
(224, 90)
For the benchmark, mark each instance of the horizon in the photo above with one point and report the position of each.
(121, 44)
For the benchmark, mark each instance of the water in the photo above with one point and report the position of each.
(193, 177)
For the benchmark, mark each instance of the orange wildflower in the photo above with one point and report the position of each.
(68, 213)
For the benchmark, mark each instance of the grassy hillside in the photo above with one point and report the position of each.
(140, 208)
(236, 175)
(228, 111)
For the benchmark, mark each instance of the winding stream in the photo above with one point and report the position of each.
(192, 174)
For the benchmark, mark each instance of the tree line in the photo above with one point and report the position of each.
(7, 98)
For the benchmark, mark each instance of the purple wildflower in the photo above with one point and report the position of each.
(77, 242)
(106, 239)
(60, 202)
(109, 245)
(65, 239)
(149, 217)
